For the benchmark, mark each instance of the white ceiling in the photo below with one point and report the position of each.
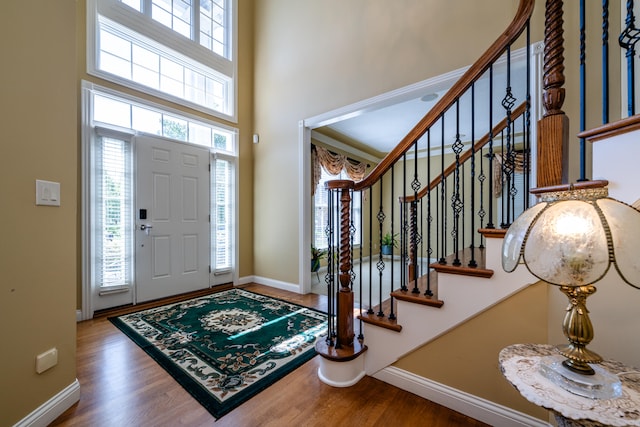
(381, 125)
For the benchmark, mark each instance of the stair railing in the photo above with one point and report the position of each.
(610, 57)
(441, 218)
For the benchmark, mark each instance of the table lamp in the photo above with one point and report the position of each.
(571, 239)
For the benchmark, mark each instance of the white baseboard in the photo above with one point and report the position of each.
(270, 282)
(79, 316)
(460, 401)
(53, 408)
(245, 280)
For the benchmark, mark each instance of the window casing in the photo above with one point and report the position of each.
(152, 46)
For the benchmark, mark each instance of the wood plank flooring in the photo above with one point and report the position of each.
(122, 386)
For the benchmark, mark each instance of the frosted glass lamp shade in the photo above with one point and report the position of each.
(571, 238)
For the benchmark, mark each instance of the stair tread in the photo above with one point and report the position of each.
(614, 128)
(465, 257)
(381, 321)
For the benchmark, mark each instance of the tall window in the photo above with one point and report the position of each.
(180, 49)
(321, 212)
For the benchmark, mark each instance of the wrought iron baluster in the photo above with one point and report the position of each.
(330, 278)
(513, 191)
(352, 232)
(414, 236)
(605, 61)
(507, 103)
(461, 232)
(503, 174)
(360, 231)
(404, 227)
(392, 315)
(583, 89)
(443, 192)
(527, 123)
(437, 222)
(428, 292)
(628, 39)
(421, 231)
(472, 179)
(482, 178)
(370, 309)
(456, 202)
(490, 155)
(380, 264)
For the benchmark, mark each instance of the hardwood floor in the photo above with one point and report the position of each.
(122, 386)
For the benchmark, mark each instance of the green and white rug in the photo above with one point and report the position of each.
(226, 347)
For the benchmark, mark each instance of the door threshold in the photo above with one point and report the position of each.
(130, 308)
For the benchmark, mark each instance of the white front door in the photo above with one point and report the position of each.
(172, 218)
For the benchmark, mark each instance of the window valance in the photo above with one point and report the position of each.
(334, 163)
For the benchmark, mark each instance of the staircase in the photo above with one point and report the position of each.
(464, 297)
(451, 209)
(435, 208)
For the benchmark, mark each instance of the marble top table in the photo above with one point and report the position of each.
(520, 364)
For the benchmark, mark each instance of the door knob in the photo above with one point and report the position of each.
(146, 228)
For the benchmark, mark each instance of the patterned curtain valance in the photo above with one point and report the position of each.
(333, 163)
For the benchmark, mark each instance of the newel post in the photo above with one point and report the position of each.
(340, 364)
(553, 128)
(345, 293)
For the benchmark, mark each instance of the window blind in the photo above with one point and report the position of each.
(113, 219)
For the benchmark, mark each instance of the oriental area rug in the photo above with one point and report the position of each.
(226, 347)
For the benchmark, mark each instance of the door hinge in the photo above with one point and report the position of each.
(209, 167)
(209, 269)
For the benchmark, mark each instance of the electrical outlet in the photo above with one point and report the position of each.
(46, 360)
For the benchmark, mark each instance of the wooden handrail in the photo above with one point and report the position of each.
(513, 31)
(520, 110)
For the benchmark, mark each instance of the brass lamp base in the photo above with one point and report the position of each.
(578, 329)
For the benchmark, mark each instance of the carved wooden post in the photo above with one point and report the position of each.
(553, 128)
(340, 365)
(345, 294)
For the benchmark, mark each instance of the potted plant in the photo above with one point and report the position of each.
(316, 256)
(388, 243)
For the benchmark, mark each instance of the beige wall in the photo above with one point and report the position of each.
(38, 107)
(467, 357)
(315, 56)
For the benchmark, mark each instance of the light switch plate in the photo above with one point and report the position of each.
(47, 193)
